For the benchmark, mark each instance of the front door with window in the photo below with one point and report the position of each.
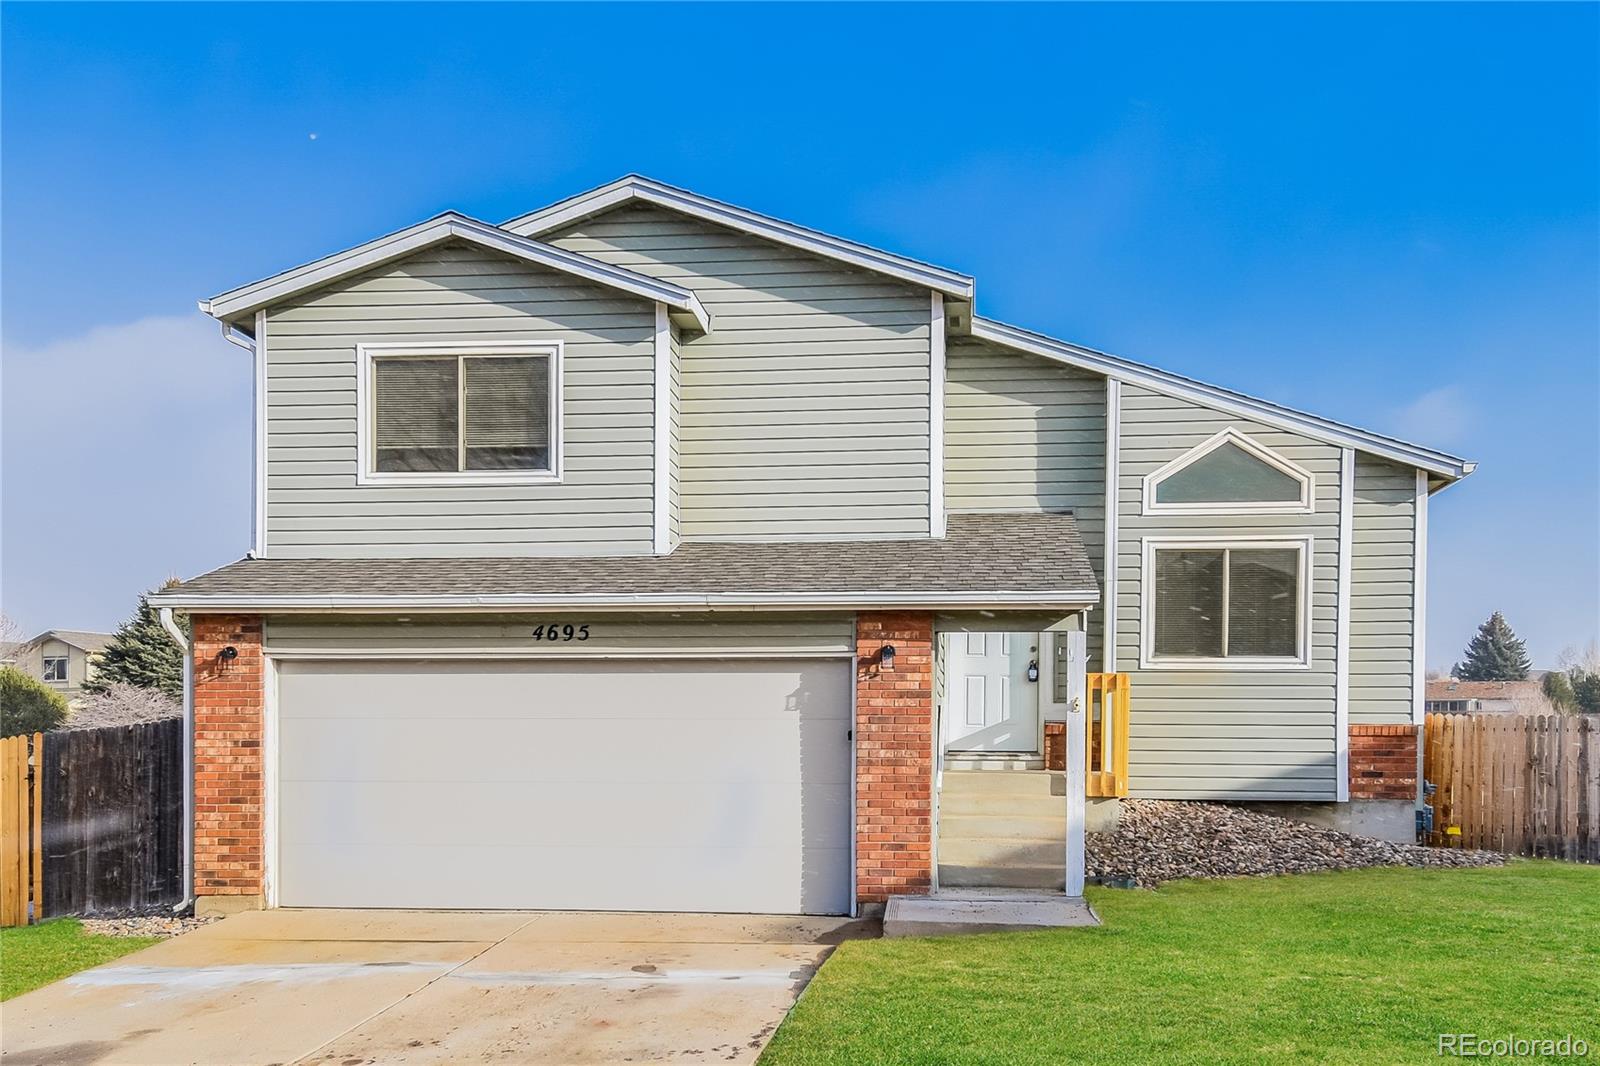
(990, 702)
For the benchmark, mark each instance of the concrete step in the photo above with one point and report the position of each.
(1049, 878)
(949, 913)
(1029, 825)
(1001, 804)
(1007, 782)
(999, 851)
(991, 763)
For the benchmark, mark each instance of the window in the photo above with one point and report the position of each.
(461, 415)
(1229, 474)
(1226, 604)
(55, 667)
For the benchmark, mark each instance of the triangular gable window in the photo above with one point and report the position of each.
(1229, 474)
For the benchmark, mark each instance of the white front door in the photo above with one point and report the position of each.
(990, 705)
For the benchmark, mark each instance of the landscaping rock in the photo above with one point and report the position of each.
(144, 926)
(1164, 840)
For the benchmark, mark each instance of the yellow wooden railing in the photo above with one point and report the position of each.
(1108, 705)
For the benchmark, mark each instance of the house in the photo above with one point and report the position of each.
(64, 659)
(644, 552)
(1449, 696)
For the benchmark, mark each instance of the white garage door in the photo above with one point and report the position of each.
(661, 785)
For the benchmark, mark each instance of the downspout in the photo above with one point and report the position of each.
(172, 629)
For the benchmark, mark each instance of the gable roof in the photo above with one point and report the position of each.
(635, 187)
(1238, 404)
(984, 560)
(85, 639)
(237, 304)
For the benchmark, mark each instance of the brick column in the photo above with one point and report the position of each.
(229, 703)
(1383, 762)
(894, 756)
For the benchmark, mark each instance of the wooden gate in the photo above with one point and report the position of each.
(1522, 784)
(21, 848)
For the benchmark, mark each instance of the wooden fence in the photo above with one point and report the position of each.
(21, 853)
(93, 822)
(1522, 784)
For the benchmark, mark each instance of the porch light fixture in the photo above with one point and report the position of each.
(228, 653)
(1033, 670)
(886, 656)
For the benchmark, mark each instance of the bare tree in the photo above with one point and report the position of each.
(123, 704)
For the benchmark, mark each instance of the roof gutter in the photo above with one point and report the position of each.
(1072, 599)
(182, 641)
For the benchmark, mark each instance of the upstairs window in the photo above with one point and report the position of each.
(1229, 474)
(55, 668)
(461, 415)
(1224, 604)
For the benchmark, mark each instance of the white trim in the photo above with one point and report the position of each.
(1229, 435)
(1150, 545)
(855, 680)
(936, 525)
(1341, 669)
(1108, 627)
(662, 414)
(634, 187)
(1220, 399)
(562, 653)
(447, 226)
(1038, 599)
(258, 503)
(1076, 749)
(1419, 603)
(365, 353)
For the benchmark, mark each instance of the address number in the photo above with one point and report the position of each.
(554, 631)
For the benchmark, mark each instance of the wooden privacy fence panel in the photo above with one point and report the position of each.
(1109, 702)
(1522, 784)
(21, 852)
(113, 819)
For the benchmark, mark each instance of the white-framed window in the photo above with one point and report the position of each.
(1239, 603)
(1229, 473)
(462, 413)
(55, 668)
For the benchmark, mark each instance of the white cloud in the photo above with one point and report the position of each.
(1440, 417)
(126, 459)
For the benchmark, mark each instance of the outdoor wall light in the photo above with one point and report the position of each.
(228, 653)
(1033, 670)
(886, 656)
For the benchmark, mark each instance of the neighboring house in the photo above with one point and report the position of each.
(647, 553)
(1449, 696)
(64, 659)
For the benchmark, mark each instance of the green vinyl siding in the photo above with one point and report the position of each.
(1022, 433)
(1226, 734)
(454, 293)
(805, 411)
(1381, 606)
(675, 415)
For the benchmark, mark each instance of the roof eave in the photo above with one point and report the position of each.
(635, 187)
(1065, 599)
(1445, 466)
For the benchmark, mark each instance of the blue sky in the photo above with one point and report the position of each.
(1387, 215)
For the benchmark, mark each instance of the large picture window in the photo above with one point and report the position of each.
(438, 414)
(1238, 604)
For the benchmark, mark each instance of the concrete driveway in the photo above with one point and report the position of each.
(356, 987)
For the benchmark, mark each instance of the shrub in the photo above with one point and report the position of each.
(123, 704)
(28, 705)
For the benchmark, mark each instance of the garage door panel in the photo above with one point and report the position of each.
(661, 785)
(774, 881)
(510, 689)
(408, 749)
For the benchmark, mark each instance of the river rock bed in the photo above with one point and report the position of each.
(1165, 840)
(147, 925)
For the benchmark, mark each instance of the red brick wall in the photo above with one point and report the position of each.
(1383, 762)
(229, 699)
(894, 756)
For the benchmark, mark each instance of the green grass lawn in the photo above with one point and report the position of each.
(1363, 966)
(34, 955)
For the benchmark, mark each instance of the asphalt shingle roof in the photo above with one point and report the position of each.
(1008, 556)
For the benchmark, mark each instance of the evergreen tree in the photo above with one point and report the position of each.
(1585, 690)
(1495, 654)
(141, 653)
(1557, 688)
(28, 705)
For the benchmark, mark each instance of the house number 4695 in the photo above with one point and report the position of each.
(555, 631)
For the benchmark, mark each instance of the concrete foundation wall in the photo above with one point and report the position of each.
(1386, 819)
